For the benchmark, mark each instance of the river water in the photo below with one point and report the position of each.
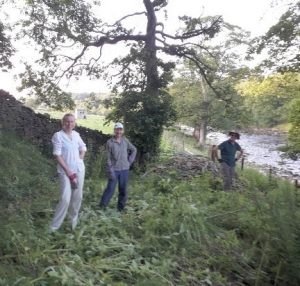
(261, 151)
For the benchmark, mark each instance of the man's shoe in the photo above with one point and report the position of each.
(103, 207)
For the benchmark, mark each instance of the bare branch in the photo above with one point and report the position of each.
(187, 54)
(127, 16)
(202, 71)
(177, 50)
(100, 43)
(186, 45)
(122, 70)
(183, 36)
(63, 56)
(106, 40)
(194, 33)
(95, 61)
(66, 47)
(157, 3)
(160, 24)
(74, 62)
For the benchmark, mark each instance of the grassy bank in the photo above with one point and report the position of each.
(180, 142)
(284, 127)
(171, 233)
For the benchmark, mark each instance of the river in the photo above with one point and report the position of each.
(261, 151)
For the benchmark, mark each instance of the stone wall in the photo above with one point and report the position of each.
(22, 120)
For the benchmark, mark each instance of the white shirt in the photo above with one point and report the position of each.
(69, 150)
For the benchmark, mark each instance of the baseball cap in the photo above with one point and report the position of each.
(118, 125)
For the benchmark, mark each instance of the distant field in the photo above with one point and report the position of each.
(284, 127)
(93, 121)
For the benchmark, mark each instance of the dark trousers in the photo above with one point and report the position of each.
(228, 175)
(122, 179)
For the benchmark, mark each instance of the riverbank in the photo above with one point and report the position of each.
(260, 150)
(265, 131)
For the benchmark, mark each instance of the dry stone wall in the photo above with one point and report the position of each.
(39, 128)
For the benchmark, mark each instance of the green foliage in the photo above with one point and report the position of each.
(30, 102)
(284, 126)
(211, 99)
(269, 99)
(172, 232)
(179, 142)
(6, 49)
(95, 164)
(57, 26)
(281, 41)
(294, 132)
(144, 116)
(193, 108)
(45, 90)
(94, 104)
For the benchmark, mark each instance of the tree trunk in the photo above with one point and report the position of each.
(196, 133)
(203, 125)
(152, 76)
(152, 86)
(202, 133)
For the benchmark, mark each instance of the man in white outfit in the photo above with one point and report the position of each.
(69, 151)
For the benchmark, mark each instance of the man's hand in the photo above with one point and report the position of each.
(81, 155)
(73, 181)
(111, 173)
(72, 177)
(131, 159)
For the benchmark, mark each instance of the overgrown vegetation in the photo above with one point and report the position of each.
(171, 233)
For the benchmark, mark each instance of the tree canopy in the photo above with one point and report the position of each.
(268, 99)
(282, 41)
(68, 33)
(6, 49)
(217, 104)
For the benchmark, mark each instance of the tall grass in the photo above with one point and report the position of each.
(181, 142)
(172, 232)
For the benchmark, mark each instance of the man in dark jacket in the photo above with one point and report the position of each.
(229, 156)
(118, 162)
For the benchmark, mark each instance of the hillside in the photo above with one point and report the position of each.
(176, 230)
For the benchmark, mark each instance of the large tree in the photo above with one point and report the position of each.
(217, 104)
(68, 33)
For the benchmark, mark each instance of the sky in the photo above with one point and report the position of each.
(252, 15)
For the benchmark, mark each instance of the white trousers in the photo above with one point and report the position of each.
(69, 199)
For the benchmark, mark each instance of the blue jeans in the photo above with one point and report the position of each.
(122, 179)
